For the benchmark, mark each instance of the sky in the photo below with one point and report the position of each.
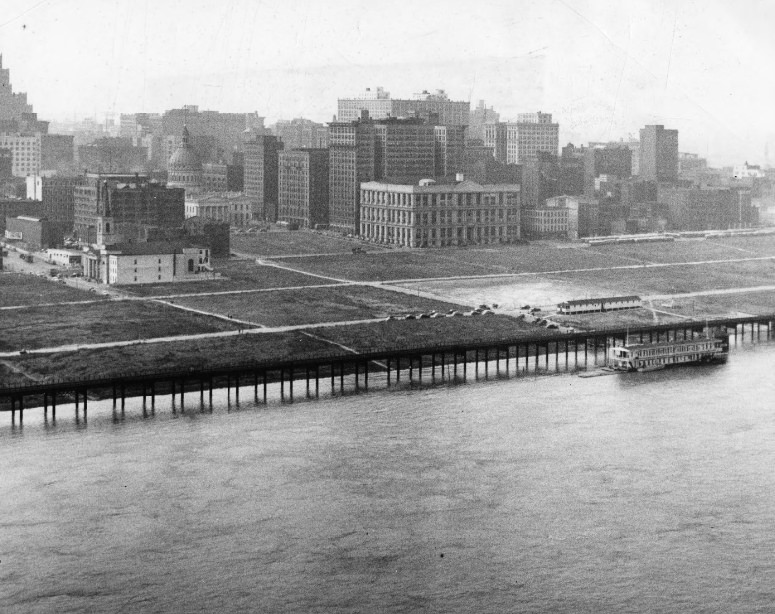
(603, 68)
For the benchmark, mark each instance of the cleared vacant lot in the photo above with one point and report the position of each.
(313, 305)
(237, 275)
(419, 264)
(675, 279)
(748, 303)
(399, 334)
(19, 289)
(52, 326)
(691, 250)
(182, 355)
(292, 242)
(242, 349)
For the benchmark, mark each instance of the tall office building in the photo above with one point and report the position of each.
(400, 149)
(301, 133)
(658, 153)
(115, 208)
(514, 142)
(380, 105)
(261, 174)
(25, 150)
(449, 150)
(57, 197)
(610, 160)
(12, 105)
(303, 187)
(480, 117)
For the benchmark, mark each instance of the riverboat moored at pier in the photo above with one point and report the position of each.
(653, 356)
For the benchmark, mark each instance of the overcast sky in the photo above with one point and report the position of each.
(602, 68)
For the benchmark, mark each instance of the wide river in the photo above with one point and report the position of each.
(629, 493)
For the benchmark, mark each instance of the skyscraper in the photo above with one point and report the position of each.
(380, 105)
(303, 187)
(114, 208)
(481, 116)
(514, 142)
(12, 105)
(368, 150)
(658, 153)
(261, 174)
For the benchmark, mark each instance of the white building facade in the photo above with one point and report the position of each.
(434, 214)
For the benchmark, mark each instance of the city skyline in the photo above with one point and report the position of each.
(602, 69)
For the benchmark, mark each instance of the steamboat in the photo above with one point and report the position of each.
(653, 356)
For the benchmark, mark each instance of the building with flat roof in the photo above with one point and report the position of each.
(34, 232)
(261, 174)
(566, 217)
(439, 214)
(145, 263)
(303, 187)
(481, 116)
(25, 151)
(369, 149)
(300, 133)
(116, 208)
(709, 208)
(12, 104)
(233, 208)
(515, 142)
(14, 207)
(380, 105)
(56, 195)
(658, 153)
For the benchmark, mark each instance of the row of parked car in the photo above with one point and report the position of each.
(483, 310)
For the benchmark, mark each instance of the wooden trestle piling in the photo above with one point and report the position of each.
(439, 360)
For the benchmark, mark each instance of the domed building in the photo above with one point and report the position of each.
(184, 169)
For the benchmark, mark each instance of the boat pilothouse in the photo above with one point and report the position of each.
(653, 356)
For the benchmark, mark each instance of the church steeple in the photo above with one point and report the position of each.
(186, 135)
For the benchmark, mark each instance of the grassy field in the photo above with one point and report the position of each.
(292, 242)
(183, 355)
(619, 319)
(453, 262)
(237, 275)
(312, 305)
(412, 333)
(748, 303)
(19, 289)
(675, 279)
(692, 250)
(197, 354)
(39, 327)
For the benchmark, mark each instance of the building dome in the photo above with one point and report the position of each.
(184, 167)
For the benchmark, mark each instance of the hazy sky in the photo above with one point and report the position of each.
(603, 68)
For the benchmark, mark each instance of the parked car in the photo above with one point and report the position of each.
(488, 312)
(453, 314)
(410, 316)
